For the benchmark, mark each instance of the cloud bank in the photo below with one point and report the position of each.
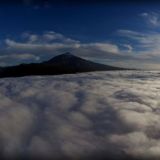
(86, 115)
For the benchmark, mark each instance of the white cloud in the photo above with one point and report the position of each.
(105, 47)
(110, 113)
(36, 46)
(32, 38)
(128, 47)
(47, 37)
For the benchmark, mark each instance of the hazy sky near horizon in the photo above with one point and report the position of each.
(111, 33)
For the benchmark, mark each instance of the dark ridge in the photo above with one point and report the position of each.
(66, 63)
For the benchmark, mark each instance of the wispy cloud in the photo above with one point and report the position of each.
(47, 37)
(24, 56)
(151, 18)
(128, 48)
(147, 44)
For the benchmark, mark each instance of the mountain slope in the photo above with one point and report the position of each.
(61, 64)
(76, 63)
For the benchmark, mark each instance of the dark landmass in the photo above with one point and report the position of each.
(62, 64)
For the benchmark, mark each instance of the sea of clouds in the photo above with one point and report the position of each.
(85, 115)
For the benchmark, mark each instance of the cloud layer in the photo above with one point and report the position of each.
(81, 116)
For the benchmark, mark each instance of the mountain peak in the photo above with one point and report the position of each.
(68, 54)
(62, 57)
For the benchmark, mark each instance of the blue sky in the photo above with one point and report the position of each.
(118, 34)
